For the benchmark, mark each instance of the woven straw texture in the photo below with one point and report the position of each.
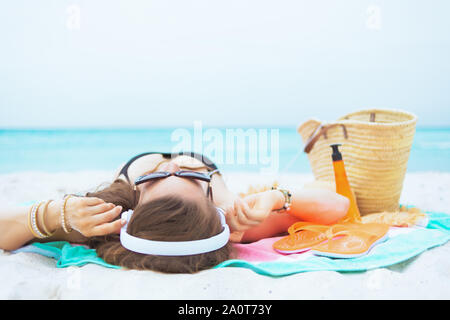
(375, 148)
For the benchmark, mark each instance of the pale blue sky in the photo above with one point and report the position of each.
(227, 63)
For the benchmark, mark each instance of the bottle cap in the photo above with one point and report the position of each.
(336, 153)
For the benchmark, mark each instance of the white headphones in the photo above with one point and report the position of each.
(174, 248)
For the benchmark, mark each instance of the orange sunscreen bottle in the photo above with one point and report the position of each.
(343, 186)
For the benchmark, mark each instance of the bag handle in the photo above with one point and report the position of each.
(322, 130)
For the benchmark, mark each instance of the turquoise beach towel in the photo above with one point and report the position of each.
(402, 244)
(66, 254)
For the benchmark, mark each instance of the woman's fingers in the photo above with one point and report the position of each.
(242, 214)
(107, 228)
(93, 216)
(106, 216)
(254, 214)
(231, 219)
(92, 201)
(235, 225)
(237, 219)
(99, 208)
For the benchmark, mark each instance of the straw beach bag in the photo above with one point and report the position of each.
(375, 148)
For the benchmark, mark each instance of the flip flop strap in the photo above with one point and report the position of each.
(348, 232)
(306, 226)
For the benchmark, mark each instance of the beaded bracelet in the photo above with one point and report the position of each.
(287, 199)
(65, 226)
(32, 221)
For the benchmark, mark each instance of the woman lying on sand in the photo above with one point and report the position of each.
(178, 205)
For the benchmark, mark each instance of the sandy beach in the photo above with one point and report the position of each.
(32, 276)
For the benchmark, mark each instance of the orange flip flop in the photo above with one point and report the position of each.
(302, 236)
(351, 240)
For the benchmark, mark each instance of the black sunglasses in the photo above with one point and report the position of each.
(182, 174)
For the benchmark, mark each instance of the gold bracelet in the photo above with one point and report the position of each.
(65, 226)
(32, 221)
(48, 233)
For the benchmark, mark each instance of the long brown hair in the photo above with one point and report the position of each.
(168, 218)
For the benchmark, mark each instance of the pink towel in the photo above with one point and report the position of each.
(258, 251)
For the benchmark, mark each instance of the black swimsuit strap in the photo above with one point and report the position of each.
(205, 160)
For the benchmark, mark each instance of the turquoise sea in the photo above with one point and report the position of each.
(58, 150)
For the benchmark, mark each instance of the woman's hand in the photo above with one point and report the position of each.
(92, 216)
(252, 210)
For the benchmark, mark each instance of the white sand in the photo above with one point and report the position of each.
(32, 276)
